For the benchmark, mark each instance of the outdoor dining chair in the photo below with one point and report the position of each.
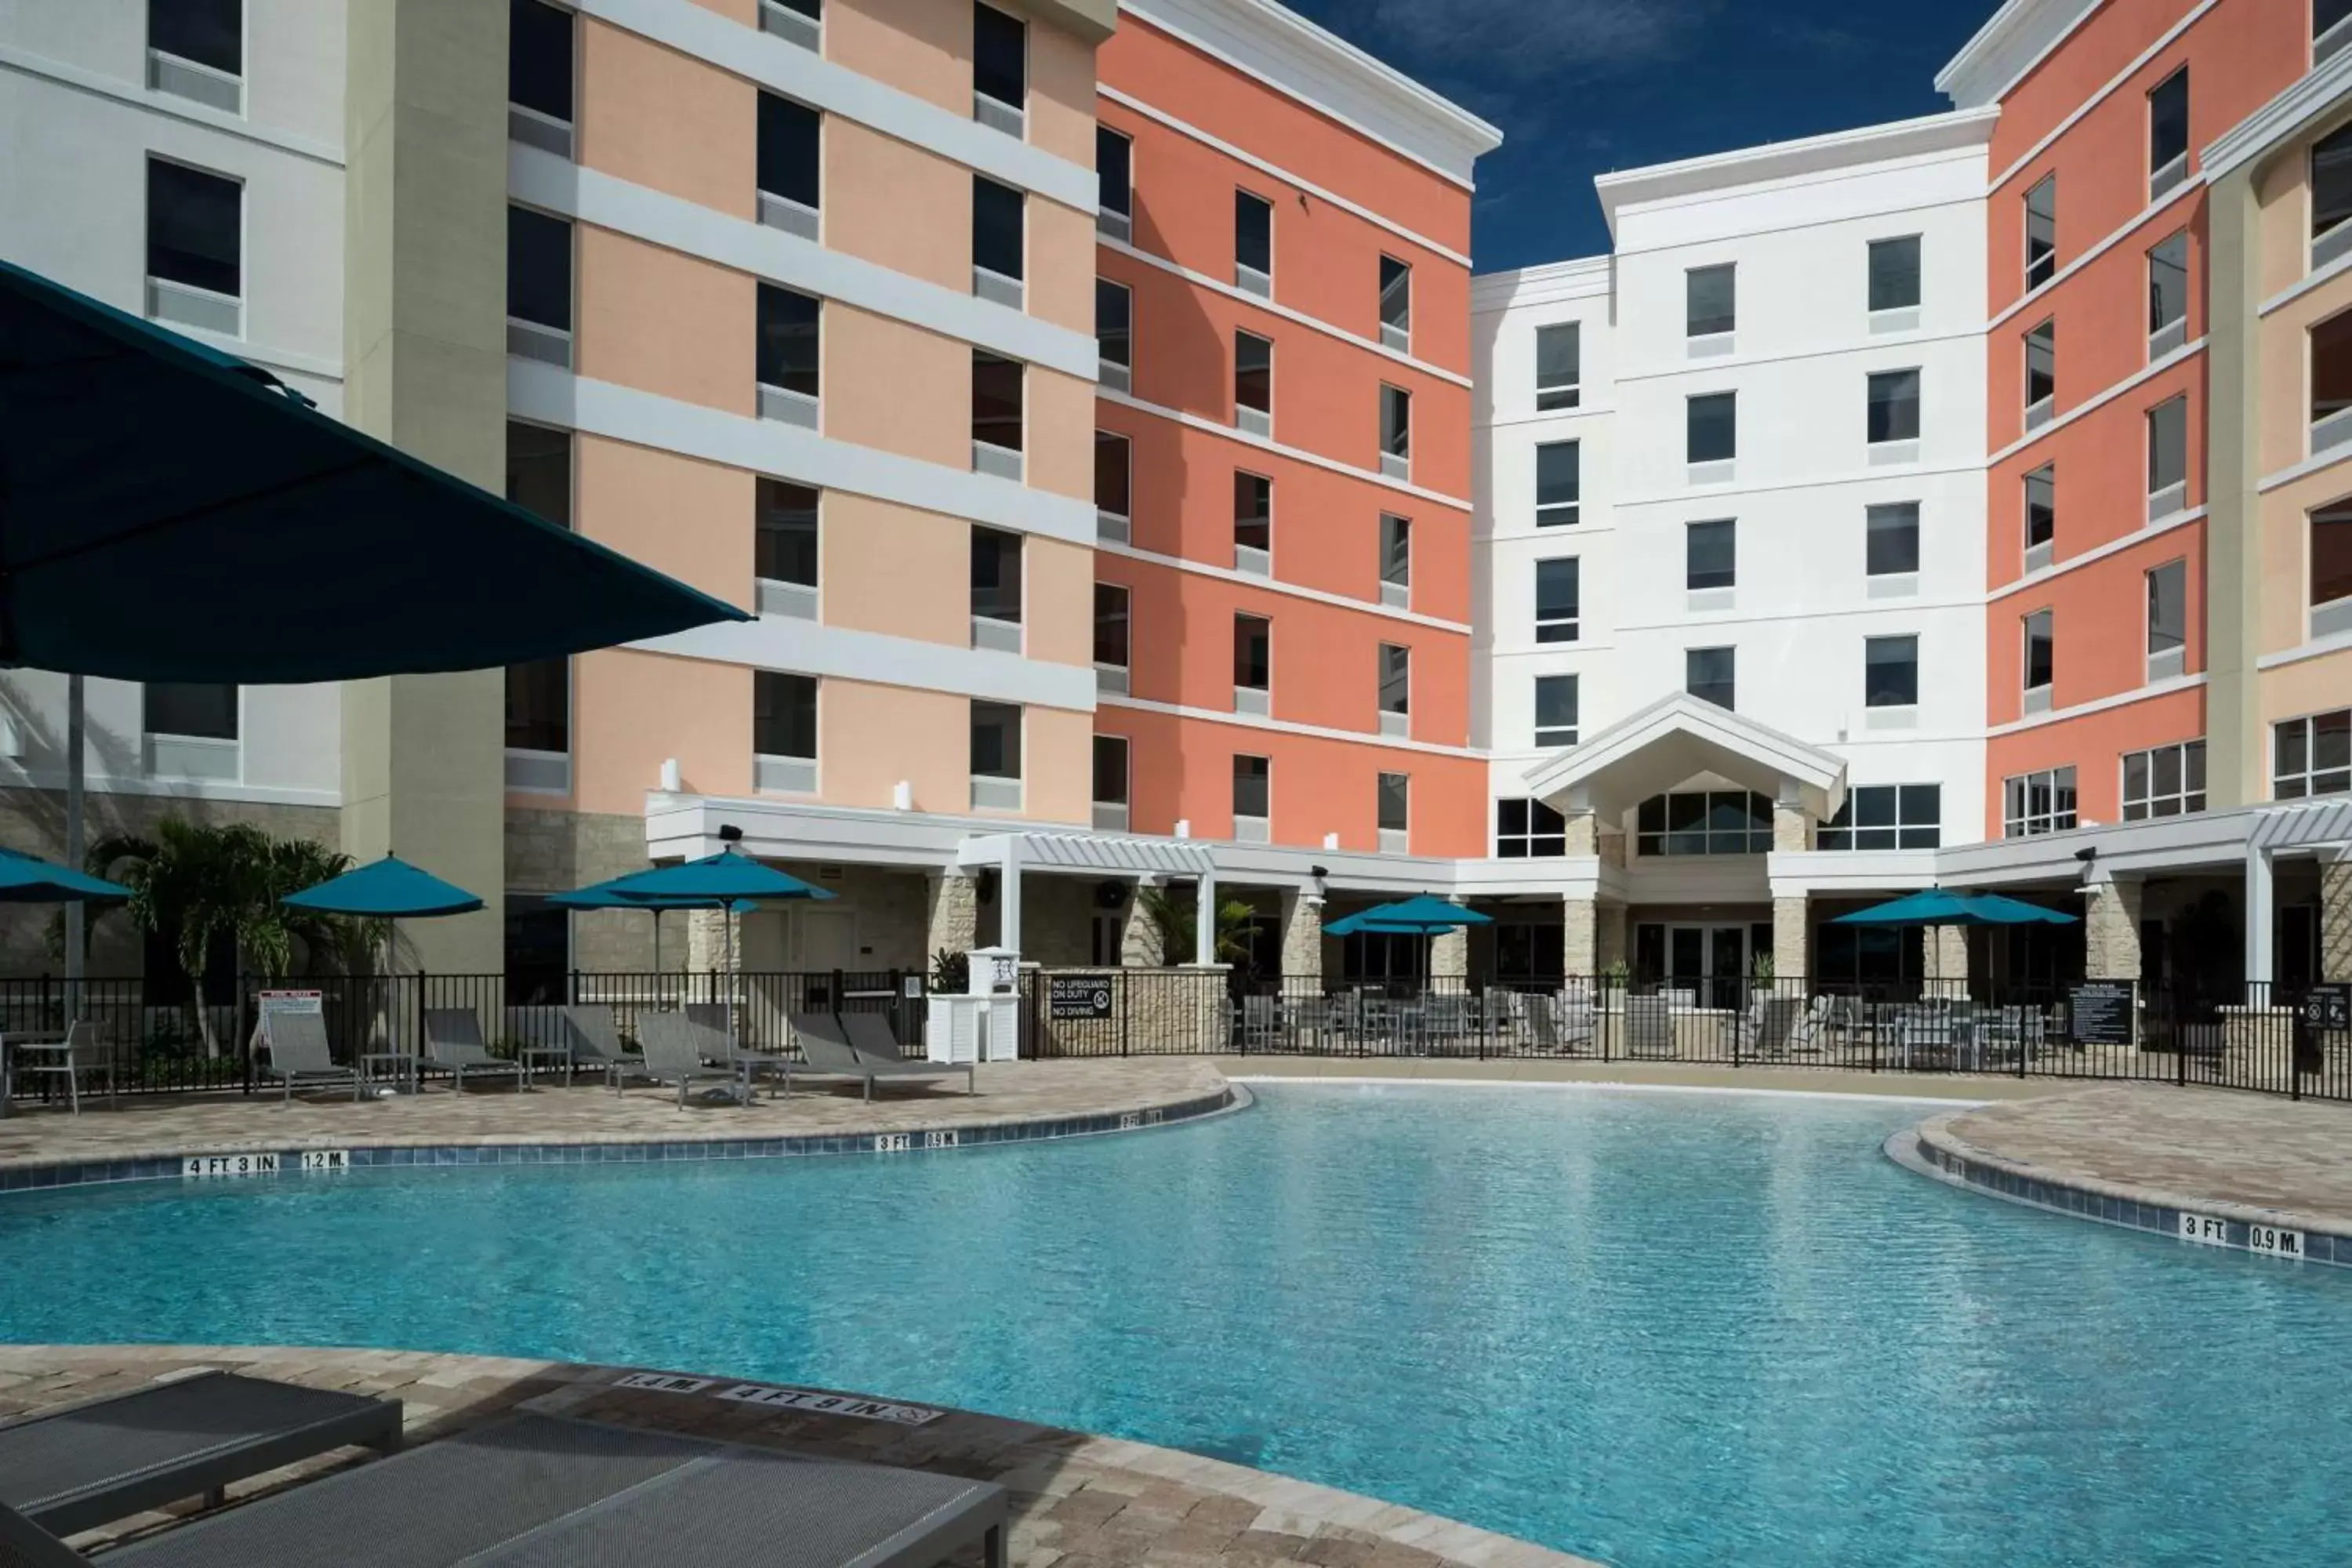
(71, 1053)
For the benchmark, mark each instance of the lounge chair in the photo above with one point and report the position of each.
(539, 1490)
(596, 1043)
(299, 1056)
(829, 1054)
(870, 1035)
(673, 1046)
(1650, 1024)
(1769, 1027)
(453, 1044)
(79, 1465)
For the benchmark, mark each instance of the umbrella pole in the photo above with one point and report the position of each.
(76, 957)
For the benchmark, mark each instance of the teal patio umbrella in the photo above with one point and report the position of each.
(602, 896)
(1421, 916)
(1943, 907)
(389, 890)
(27, 880)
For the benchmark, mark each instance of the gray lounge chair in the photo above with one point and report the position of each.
(453, 1044)
(1649, 1026)
(673, 1046)
(537, 1489)
(300, 1057)
(829, 1054)
(79, 1465)
(871, 1036)
(596, 1044)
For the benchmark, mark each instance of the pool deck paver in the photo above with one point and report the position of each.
(1078, 1501)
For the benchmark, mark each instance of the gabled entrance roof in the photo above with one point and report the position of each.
(1677, 737)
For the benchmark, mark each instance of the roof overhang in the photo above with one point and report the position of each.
(1678, 737)
(2307, 104)
(1089, 854)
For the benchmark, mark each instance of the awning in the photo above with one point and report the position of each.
(1679, 738)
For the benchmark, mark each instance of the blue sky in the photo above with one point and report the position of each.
(1581, 87)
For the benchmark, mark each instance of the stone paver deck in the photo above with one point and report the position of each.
(2181, 1148)
(1078, 1501)
(153, 1126)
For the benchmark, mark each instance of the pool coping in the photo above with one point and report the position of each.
(1933, 1150)
(272, 1157)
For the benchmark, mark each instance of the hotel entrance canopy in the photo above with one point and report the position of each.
(1683, 737)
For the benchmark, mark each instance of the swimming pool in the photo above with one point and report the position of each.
(1652, 1329)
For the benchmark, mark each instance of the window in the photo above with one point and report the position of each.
(996, 590)
(2330, 29)
(1254, 243)
(2312, 756)
(1252, 797)
(787, 356)
(2167, 457)
(2042, 232)
(2164, 781)
(1528, 830)
(1395, 689)
(1114, 342)
(1253, 523)
(996, 384)
(2167, 295)
(1712, 427)
(2041, 515)
(539, 471)
(2040, 660)
(1708, 299)
(1895, 274)
(996, 755)
(1559, 482)
(1890, 672)
(1709, 674)
(1253, 654)
(1253, 383)
(195, 49)
(791, 164)
(1894, 406)
(1395, 793)
(1396, 432)
(1559, 365)
(539, 73)
(539, 693)
(194, 249)
(1555, 710)
(1396, 304)
(539, 286)
(197, 710)
(1557, 592)
(1711, 554)
(1111, 633)
(2035, 804)
(997, 224)
(785, 549)
(2331, 382)
(1114, 184)
(1708, 822)
(2167, 133)
(783, 718)
(1111, 770)
(2331, 570)
(800, 22)
(1396, 560)
(1113, 468)
(2331, 190)
(1891, 539)
(1887, 816)
(999, 71)
(2040, 374)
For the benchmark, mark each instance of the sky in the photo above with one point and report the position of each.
(1581, 87)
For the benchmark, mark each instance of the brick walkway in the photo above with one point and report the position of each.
(148, 1126)
(1078, 1501)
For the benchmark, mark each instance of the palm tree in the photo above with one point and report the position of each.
(1174, 923)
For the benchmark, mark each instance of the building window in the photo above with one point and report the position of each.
(996, 387)
(539, 471)
(2167, 133)
(1557, 595)
(1895, 274)
(2331, 28)
(2167, 295)
(797, 21)
(1396, 304)
(1253, 523)
(2164, 781)
(1252, 797)
(1710, 674)
(201, 710)
(1394, 806)
(1114, 184)
(1396, 432)
(194, 277)
(1556, 711)
(996, 743)
(1887, 816)
(999, 243)
(1709, 298)
(785, 548)
(1709, 822)
(1253, 383)
(1396, 560)
(791, 165)
(209, 33)
(1712, 427)
(2312, 756)
(2041, 660)
(1111, 770)
(1711, 554)
(1000, 69)
(2331, 570)
(1114, 476)
(1254, 243)
(2040, 374)
(2331, 189)
(788, 361)
(1111, 634)
(1395, 689)
(539, 72)
(2167, 458)
(1528, 830)
(2041, 515)
(784, 717)
(2035, 804)
(539, 286)
(2168, 620)
(2331, 383)
(2042, 232)
(1559, 365)
(1890, 672)
(539, 693)
(1893, 406)
(1252, 655)
(1891, 539)
(1560, 483)
(1114, 334)
(538, 950)
(996, 590)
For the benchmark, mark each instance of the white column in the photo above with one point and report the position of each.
(2258, 915)
(1008, 895)
(1204, 921)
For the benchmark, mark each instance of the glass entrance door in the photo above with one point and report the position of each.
(1708, 961)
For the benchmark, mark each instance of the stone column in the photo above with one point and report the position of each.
(1449, 954)
(2336, 916)
(2111, 930)
(1948, 958)
(1138, 939)
(1302, 935)
(1610, 946)
(1584, 833)
(1580, 937)
(1792, 830)
(953, 925)
(1791, 938)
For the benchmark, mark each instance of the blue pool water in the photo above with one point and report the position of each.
(1652, 1329)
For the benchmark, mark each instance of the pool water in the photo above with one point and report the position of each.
(1649, 1328)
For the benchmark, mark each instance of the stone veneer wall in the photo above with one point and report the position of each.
(555, 851)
